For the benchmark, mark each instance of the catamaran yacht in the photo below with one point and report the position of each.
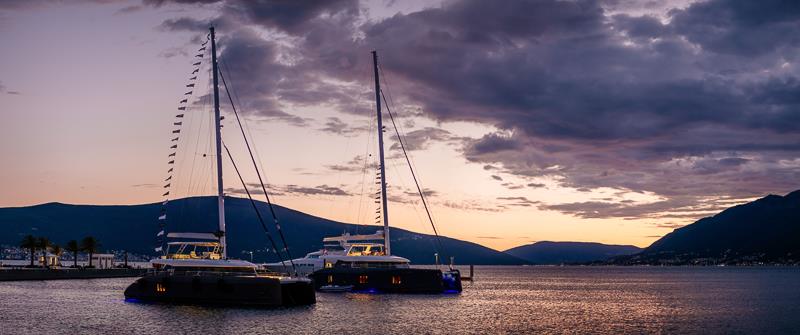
(194, 267)
(196, 272)
(359, 262)
(341, 248)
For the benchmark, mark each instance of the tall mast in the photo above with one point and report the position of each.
(220, 195)
(380, 155)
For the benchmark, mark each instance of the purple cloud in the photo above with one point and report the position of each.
(700, 108)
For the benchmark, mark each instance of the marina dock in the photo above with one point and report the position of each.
(471, 274)
(17, 274)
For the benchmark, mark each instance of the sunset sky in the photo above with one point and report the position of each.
(611, 121)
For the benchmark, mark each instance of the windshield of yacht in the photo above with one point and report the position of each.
(366, 250)
(193, 250)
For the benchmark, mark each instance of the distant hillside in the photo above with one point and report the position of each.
(763, 231)
(133, 228)
(547, 252)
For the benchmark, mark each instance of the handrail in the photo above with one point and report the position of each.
(172, 272)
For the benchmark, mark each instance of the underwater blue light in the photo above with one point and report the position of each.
(451, 292)
(368, 291)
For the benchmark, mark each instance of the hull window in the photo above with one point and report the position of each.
(396, 280)
(330, 279)
(362, 279)
(161, 288)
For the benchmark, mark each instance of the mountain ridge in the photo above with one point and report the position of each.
(763, 231)
(568, 252)
(133, 228)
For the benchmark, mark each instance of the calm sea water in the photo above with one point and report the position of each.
(515, 300)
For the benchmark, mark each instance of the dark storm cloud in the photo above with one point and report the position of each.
(254, 189)
(36, 4)
(747, 28)
(316, 190)
(290, 16)
(129, 9)
(512, 186)
(517, 202)
(271, 75)
(617, 101)
(670, 225)
(158, 3)
(427, 192)
(639, 27)
(357, 164)
(420, 139)
(470, 205)
(335, 125)
(185, 23)
(702, 106)
(681, 207)
(492, 143)
(21, 4)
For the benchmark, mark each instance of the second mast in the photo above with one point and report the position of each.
(386, 239)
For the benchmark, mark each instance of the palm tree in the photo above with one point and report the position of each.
(74, 248)
(57, 251)
(90, 245)
(29, 242)
(43, 243)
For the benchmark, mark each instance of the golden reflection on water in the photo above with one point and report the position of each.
(512, 300)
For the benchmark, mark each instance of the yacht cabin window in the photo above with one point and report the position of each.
(366, 250)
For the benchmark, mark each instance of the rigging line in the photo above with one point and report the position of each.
(238, 101)
(363, 176)
(339, 173)
(184, 141)
(192, 110)
(180, 161)
(255, 208)
(260, 180)
(414, 175)
(385, 79)
(194, 156)
(412, 204)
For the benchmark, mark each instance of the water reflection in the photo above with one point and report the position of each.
(501, 300)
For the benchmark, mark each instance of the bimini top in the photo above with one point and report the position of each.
(346, 237)
(195, 243)
(194, 236)
(203, 246)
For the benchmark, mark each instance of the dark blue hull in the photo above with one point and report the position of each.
(220, 290)
(390, 280)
